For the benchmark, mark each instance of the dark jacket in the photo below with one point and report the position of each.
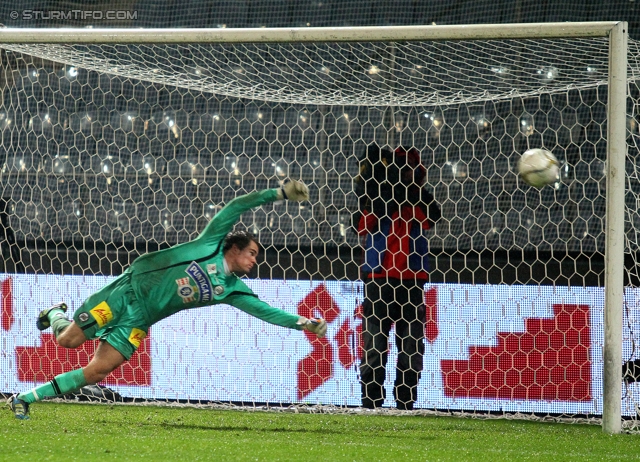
(394, 209)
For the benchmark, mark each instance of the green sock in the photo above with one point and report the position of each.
(61, 384)
(58, 321)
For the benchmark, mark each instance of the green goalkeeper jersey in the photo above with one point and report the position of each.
(192, 274)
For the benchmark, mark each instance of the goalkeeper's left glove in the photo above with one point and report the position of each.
(317, 326)
(294, 191)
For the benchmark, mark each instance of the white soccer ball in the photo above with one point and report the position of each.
(538, 167)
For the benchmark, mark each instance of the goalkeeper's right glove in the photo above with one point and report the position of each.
(294, 190)
(317, 326)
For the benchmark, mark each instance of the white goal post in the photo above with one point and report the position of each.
(616, 117)
(313, 34)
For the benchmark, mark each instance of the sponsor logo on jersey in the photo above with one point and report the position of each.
(202, 281)
(185, 290)
(212, 269)
(136, 337)
(102, 313)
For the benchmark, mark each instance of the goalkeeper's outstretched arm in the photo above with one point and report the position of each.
(251, 304)
(224, 220)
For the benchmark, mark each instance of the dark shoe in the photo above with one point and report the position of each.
(43, 318)
(404, 406)
(20, 408)
(371, 403)
(631, 371)
(96, 393)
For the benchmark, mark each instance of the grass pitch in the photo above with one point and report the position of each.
(81, 432)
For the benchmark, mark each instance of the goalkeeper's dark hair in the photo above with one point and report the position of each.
(240, 239)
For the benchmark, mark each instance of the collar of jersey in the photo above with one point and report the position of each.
(226, 267)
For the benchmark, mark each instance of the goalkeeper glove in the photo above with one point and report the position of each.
(317, 326)
(294, 191)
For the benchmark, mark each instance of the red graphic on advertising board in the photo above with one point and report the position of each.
(317, 367)
(6, 309)
(431, 312)
(349, 340)
(40, 364)
(549, 361)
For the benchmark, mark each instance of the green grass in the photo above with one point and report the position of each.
(69, 432)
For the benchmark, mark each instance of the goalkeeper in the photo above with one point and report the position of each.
(199, 273)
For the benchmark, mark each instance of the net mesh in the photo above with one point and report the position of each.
(363, 74)
(113, 151)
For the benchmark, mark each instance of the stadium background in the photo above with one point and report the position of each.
(160, 175)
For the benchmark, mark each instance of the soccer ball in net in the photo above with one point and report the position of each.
(538, 167)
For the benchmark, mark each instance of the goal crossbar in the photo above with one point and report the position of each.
(319, 34)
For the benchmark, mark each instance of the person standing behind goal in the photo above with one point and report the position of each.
(394, 209)
(194, 274)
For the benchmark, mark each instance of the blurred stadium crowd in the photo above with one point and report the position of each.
(90, 158)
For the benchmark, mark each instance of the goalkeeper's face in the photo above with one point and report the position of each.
(242, 261)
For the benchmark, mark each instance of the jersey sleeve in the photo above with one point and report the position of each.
(209, 240)
(226, 218)
(251, 304)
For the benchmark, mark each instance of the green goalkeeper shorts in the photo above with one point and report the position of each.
(113, 314)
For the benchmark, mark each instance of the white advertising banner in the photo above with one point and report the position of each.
(487, 348)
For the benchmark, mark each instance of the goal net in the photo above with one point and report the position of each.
(111, 150)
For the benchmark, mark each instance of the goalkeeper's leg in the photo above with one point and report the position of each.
(55, 318)
(105, 360)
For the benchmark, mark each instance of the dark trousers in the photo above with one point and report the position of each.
(388, 302)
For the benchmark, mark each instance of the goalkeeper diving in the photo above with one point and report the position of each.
(203, 272)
